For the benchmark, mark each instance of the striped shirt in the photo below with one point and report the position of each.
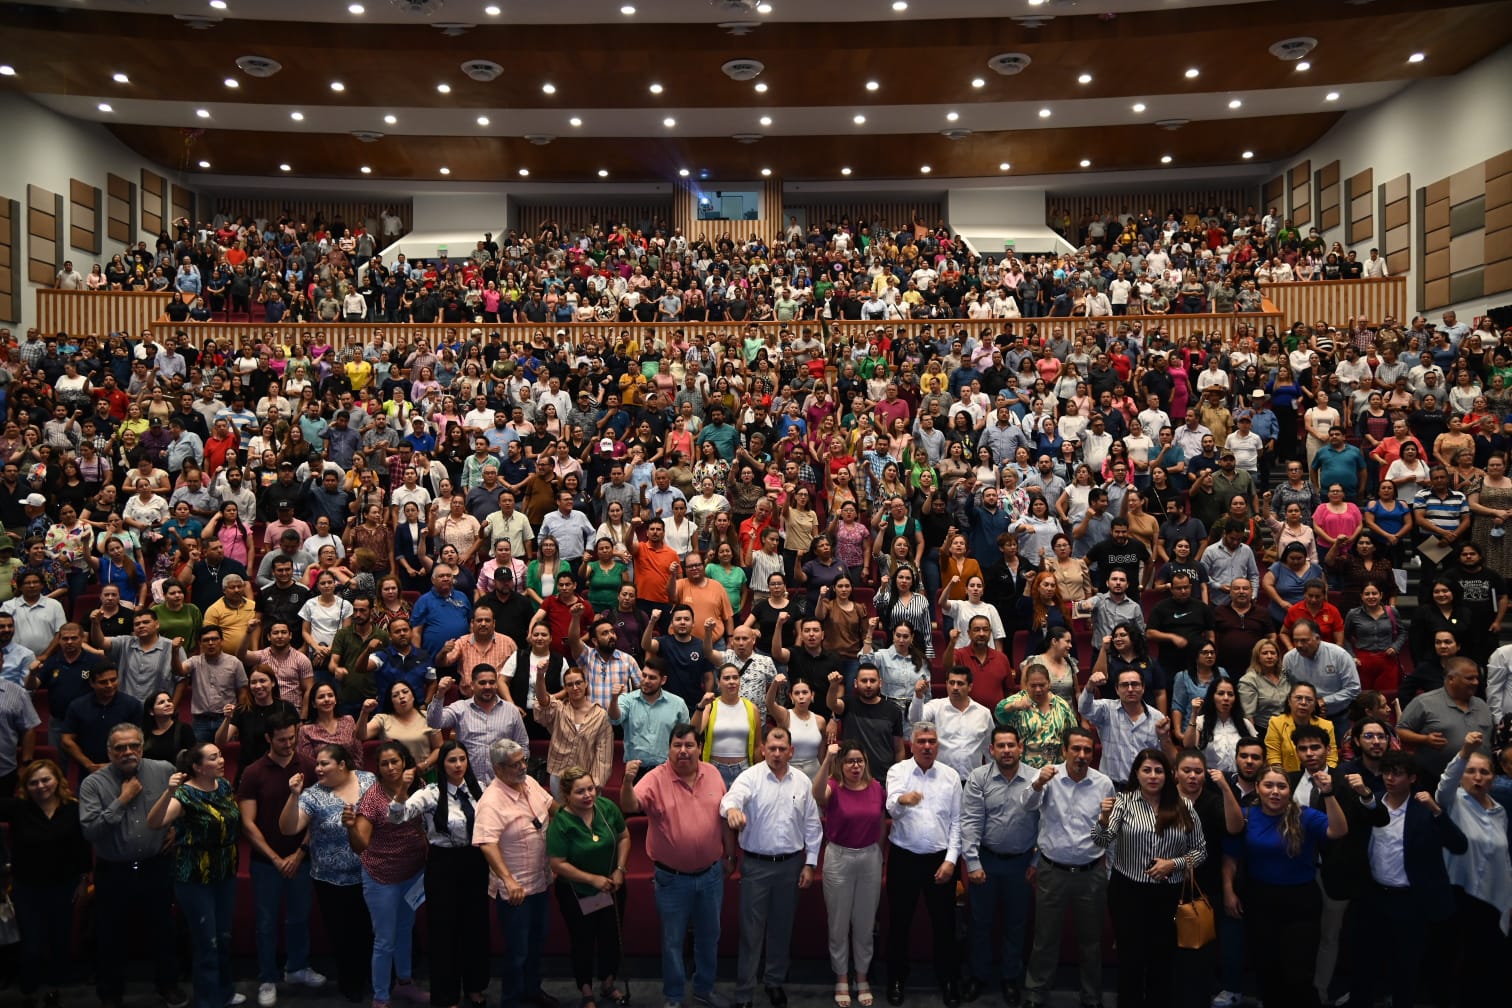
(1134, 840)
(604, 674)
(1442, 512)
(477, 729)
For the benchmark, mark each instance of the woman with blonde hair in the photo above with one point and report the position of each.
(1264, 688)
(852, 803)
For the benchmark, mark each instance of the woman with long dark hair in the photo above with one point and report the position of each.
(1155, 842)
(1218, 724)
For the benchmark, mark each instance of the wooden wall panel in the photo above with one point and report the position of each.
(1359, 199)
(351, 213)
(1394, 202)
(574, 217)
(1498, 276)
(10, 260)
(84, 231)
(97, 313)
(1335, 300)
(184, 204)
(154, 202)
(1330, 196)
(1273, 194)
(44, 234)
(1465, 227)
(891, 215)
(1299, 195)
(120, 210)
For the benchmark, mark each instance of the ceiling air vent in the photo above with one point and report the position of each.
(539, 139)
(1009, 64)
(745, 138)
(482, 70)
(1293, 49)
(739, 29)
(258, 66)
(453, 29)
(419, 8)
(955, 134)
(743, 69)
(1171, 125)
(367, 136)
(197, 21)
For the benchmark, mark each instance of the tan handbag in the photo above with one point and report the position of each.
(1195, 925)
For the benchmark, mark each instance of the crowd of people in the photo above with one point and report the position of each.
(1015, 613)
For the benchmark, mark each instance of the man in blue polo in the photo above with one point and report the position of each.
(1339, 462)
(442, 614)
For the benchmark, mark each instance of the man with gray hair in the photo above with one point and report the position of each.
(510, 831)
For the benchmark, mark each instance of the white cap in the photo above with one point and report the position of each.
(35, 500)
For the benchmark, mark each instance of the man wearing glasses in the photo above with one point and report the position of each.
(133, 876)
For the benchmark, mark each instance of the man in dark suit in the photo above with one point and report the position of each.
(1408, 890)
(1344, 863)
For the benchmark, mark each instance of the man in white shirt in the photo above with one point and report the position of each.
(1070, 875)
(1118, 294)
(963, 724)
(924, 800)
(773, 810)
(1246, 446)
(1375, 267)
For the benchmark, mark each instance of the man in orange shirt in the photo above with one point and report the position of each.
(708, 597)
(654, 564)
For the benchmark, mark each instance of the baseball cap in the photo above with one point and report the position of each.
(1258, 394)
(607, 444)
(35, 500)
(503, 574)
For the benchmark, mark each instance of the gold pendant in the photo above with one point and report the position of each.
(595, 838)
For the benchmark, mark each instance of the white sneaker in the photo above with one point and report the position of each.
(267, 995)
(236, 999)
(1225, 999)
(305, 978)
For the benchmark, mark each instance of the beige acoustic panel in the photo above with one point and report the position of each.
(84, 231)
(1395, 210)
(1299, 194)
(1467, 185)
(10, 275)
(44, 234)
(1330, 196)
(1360, 194)
(183, 203)
(154, 195)
(120, 209)
(1273, 194)
(1467, 251)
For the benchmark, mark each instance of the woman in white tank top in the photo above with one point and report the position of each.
(804, 727)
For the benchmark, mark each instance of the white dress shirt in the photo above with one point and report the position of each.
(963, 734)
(934, 824)
(781, 815)
(1388, 865)
(1068, 810)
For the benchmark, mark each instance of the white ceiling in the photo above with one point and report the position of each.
(473, 12)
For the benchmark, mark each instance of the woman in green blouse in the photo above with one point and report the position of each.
(202, 808)
(604, 575)
(589, 848)
(1039, 716)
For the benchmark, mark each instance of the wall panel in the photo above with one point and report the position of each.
(120, 209)
(154, 202)
(84, 231)
(1359, 196)
(184, 203)
(574, 217)
(10, 260)
(44, 234)
(1330, 196)
(1394, 201)
(1273, 194)
(1299, 195)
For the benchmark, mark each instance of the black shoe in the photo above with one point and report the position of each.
(971, 989)
(541, 999)
(173, 997)
(1013, 994)
(950, 994)
(777, 996)
(895, 992)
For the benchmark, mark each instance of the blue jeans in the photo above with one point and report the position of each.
(393, 930)
(207, 909)
(849, 667)
(683, 900)
(1006, 891)
(929, 569)
(274, 893)
(205, 725)
(524, 929)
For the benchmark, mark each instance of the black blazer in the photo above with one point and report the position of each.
(1425, 837)
(1345, 863)
(520, 683)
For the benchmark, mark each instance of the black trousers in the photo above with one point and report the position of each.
(457, 922)
(1379, 911)
(1284, 921)
(350, 930)
(595, 937)
(1482, 949)
(137, 899)
(1145, 927)
(909, 877)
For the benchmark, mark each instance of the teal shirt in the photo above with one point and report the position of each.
(724, 437)
(648, 726)
(588, 849)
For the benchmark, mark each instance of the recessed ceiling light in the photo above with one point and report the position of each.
(764, 8)
(1416, 57)
(336, 85)
(859, 120)
(232, 82)
(6, 70)
(203, 113)
(1085, 78)
(297, 116)
(120, 78)
(526, 171)
(766, 120)
(1331, 96)
(1192, 72)
(683, 173)
(105, 107)
(1235, 103)
(391, 119)
(285, 167)
(1085, 163)
(492, 10)
(761, 87)
(1165, 159)
(482, 120)
(1004, 166)
(218, 4)
(204, 164)
(444, 170)
(444, 88)
(627, 10)
(952, 116)
(603, 173)
(872, 85)
(656, 89)
(925, 169)
(1138, 106)
(1303, 66)
(766, 172)
(977, 82)
(1247, 155)
(365, 170)
(574, 121)
(844, 171)
(548, 88)
(900, 5)
(1044, 113)
(356, 8)
(669, 122)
